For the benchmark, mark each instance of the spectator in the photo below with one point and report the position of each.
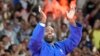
(25, 31)
(86, 41)
(96, 34)
(2, 48)
(5, 42)
(17, 21)
(9, 32)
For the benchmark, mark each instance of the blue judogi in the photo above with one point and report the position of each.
(39, 47)
(15, 2)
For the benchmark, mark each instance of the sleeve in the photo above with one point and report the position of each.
(36, 39)
(73, 39)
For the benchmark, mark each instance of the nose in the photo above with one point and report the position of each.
(50, 32)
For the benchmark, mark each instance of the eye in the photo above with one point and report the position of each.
(52, 31)
(46, 30)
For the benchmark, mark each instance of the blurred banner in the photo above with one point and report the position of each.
(58, 7)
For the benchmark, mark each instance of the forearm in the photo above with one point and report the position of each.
(74, 37)
(37, 37)
(35, 42)
(75, 33)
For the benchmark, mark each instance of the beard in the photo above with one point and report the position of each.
(49, 39)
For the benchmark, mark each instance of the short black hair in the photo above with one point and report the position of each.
(2, 37)
(63, 24)
(11, 47)
(85, 30)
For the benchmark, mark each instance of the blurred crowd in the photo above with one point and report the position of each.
(18, 19)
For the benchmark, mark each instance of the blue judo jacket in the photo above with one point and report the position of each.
(39, 47)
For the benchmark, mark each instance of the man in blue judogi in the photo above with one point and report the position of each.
(42, 41)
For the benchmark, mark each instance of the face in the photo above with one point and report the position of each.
(64, 28)
(7, 25)
(97, 24)
(14, 48)
(76, 52)
(33, 21)
(1, 45)
(25, 25)
(49, 34)
(6, 39)
(84, 35)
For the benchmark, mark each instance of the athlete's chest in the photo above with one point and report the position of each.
(51, 51)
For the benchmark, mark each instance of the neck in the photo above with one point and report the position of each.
(52, 43)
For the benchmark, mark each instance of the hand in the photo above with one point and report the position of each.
(43, 16)
(20, 46)
(71, 16)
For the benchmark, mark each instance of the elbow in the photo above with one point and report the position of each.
(78, 37)
(31, 43)
(76, 40)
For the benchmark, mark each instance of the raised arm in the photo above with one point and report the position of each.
(35, 41)
(75, 34)
(73, 39)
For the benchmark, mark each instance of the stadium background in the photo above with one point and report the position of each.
(18, 19)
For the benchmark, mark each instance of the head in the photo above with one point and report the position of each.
(32, 20)
(4, 39)
(50, 17)
(84, 33)
(12, 48)
(97, 24)
(76, 52)
(7, 25)
(24, 25)
(49, 34)
(64, 27)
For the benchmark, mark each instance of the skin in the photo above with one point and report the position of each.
(49, 34)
